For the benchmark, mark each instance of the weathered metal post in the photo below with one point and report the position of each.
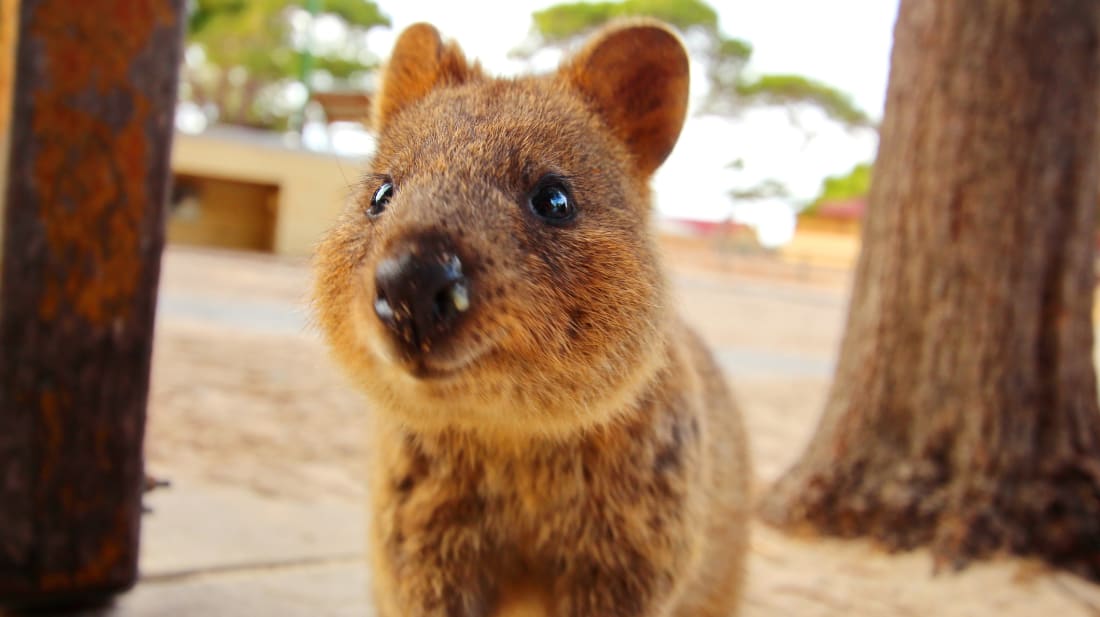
(91, 128)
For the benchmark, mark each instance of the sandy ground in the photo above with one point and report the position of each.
(244, 395)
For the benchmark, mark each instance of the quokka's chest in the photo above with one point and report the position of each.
(528, 487)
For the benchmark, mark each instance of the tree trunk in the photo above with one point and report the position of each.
(964, 409)
(91, 129)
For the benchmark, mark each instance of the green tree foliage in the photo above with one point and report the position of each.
(725, 58)
(855, 183)
(766, 189)
(562, 22)
(252, 51)
(796, 89)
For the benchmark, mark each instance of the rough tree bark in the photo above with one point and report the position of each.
(964, 409)
(84, 210)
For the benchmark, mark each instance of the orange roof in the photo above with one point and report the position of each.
(843, 209)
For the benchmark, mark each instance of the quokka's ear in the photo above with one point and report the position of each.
(635, 75)
(420, 62)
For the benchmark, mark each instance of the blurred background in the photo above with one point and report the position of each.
(774, 159)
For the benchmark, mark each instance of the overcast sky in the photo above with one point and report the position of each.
(845, 43)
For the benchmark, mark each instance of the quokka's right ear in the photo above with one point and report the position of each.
(634, 74)
(420, 62)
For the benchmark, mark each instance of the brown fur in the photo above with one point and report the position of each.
(570, 449)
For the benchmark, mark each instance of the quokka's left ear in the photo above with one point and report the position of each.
(634, 74)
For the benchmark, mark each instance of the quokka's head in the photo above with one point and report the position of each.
(496, 271)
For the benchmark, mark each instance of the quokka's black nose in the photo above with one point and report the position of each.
(420, 292)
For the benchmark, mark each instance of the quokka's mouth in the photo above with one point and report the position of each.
(441, 366)
(426, 372)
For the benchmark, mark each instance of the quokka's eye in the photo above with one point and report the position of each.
(380, 199)
(551, 201)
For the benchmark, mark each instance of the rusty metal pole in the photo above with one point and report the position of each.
(87, 179)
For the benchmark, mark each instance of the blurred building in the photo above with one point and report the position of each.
(245, 189)
(829, 236)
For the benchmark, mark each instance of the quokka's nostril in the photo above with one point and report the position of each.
(441, 309)
(450, 301)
